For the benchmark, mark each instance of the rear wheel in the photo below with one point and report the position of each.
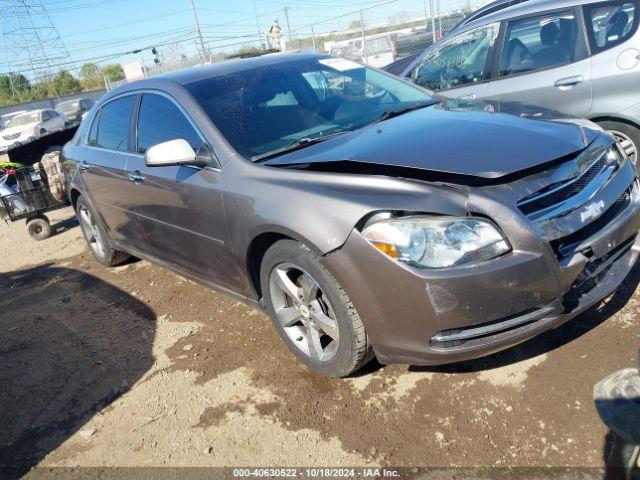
(39, 227)
(96, 236)
(627, 136)
(311, 312)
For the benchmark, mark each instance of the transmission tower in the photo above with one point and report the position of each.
(32, 44)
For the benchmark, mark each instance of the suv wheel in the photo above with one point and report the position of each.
(97, 237)
(311, 312)
(627, 136)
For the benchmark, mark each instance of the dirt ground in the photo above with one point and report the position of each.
(135, 366)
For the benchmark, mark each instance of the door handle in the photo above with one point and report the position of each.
(569, 82)
(135, 177)
(471, 96)
(83, 166)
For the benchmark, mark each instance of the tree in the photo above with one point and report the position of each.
(90, 77)
(113, 72)
(13, 83)
(64, 83)
(89, 70)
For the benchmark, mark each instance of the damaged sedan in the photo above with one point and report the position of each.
(366, 216)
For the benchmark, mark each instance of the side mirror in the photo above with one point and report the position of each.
(173, 152)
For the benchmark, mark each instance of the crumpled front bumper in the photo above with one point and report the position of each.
(428, 317)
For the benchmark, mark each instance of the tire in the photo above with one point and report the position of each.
(39, 228)
(339, 353)
(627, 133)
(96, 236)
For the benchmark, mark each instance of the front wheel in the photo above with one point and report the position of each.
(97, 237)
(627, 136)
(311, 312)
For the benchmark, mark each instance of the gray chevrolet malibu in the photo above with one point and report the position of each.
(365, 216)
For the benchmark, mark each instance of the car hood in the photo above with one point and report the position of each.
(480, 139)
(28, 128)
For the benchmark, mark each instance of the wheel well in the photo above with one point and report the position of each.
(614, 119)
(75, 194)
(255, 254)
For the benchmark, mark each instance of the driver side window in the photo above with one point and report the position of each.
(538, 43)
(459, 61)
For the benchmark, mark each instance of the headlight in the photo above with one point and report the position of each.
(437, 242)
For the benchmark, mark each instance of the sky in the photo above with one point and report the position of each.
(101, 30)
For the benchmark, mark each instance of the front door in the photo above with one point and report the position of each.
(459, 67)
(544, 62)
(103, 170)
(180, 208)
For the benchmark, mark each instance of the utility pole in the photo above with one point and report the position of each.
(199, 32)
(433, 21)
(313, 37)
(286, 16)
(255, 11)
(364, 39)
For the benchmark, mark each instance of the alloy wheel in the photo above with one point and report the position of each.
(627, 145)
(304, 312)
(91, 231)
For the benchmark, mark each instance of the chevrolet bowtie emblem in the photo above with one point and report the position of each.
(592, 211)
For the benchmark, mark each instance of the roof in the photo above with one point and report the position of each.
(226, 67)
(514, 8)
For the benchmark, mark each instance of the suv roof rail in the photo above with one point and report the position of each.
(488, 9)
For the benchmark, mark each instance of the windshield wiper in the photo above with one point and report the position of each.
(295, 145)
(386, 115)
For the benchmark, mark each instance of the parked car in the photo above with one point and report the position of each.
(365, 216)
(412, 43)
(380, 50)
(75, 109)
(4, 119)
(31, 125)
(579, 57)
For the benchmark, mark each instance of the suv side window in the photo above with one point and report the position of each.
(610, 23)
(112, 125)
(459, 61)
(538, 43)
(160, 120)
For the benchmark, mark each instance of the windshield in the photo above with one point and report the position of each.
(68, 106)
(24, 119)
(268, 108)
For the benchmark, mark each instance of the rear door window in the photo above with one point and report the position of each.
(112, 125)
(539, 43)
(160, 120)
(610, 23)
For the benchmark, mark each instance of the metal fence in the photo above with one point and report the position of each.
(383, 33)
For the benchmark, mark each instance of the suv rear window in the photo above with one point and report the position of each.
(611, 23)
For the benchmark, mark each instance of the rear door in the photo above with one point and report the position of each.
(544, 61)
(180, 208)
(612, 28)
(102, 169)
(460, 66)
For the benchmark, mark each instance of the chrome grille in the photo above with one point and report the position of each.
(551, 198)
(11, 137)
(564, 246)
